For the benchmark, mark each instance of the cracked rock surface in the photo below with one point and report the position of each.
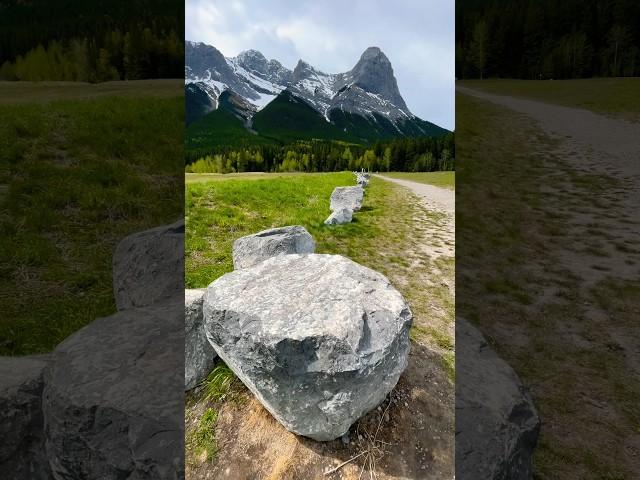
(253, 249)
(319, 339)
(113, 397)
(199, 355)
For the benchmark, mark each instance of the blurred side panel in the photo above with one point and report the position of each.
(91, 239)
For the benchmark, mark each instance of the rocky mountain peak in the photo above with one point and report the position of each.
(371, 53)
(279, 72)
(374, 73)
(252, 60)
(303, 70)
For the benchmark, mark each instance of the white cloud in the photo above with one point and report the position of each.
(416, 35)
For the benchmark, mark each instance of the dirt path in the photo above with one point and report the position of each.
(440, 202)
(433, 197)
(561, 190)
(615, 138)
(597, 147)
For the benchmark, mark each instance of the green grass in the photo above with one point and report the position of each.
(219, 212)
(232, 206)
(439, 179)
(76, 177)
(441, 339)
(212, 177)
(202, 440)
(218, 383)
(616, 96)
(42, 92)
(449, 362)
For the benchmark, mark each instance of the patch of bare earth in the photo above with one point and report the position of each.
(409, 436)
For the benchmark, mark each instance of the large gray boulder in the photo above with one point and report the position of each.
(22, 453)
(252, 249)
(319, 339)
(113, 398)
(497, 424)
(148, 266)
(343, 215)
(347, 197)
(199, 355)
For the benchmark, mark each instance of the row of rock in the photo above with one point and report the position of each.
(319, 339)
(347, 200)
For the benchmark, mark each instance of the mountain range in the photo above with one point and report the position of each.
(249, 99)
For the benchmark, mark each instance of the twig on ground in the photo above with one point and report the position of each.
(372, 451)
(333, 470)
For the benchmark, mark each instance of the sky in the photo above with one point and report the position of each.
(416, 35)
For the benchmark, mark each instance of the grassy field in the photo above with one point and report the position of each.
(76, 176)
(30, 92)
(387, 235)
(439, 179)
(613, 96)
(563, 318)
(213, 177)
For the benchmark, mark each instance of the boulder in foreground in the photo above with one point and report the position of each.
(253, 249)
(497, 424)
(319, 339)
(199, 355)
(347, 197)
(113, 397)
(148, 266)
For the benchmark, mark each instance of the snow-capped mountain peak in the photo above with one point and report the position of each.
(369, 88)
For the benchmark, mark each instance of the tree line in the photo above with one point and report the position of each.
(91, 40)
(116, 56)
(422, 154)
(544, 39)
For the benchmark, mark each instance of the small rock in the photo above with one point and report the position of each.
(346, 197)
(253, 249)
(339, 217)
(149, 266)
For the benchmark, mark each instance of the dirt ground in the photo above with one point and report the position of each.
(409, 436)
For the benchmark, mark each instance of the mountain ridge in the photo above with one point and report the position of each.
(364, 102)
